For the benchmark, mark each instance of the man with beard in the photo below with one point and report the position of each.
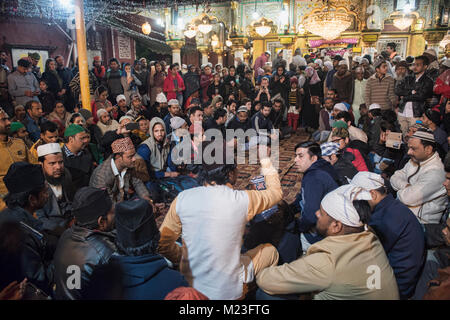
(19, 131)
(437, 265)
(35, 69)
(174, 111)
(419, 183)
(401, 71)
(343, 83)
(77, 157)
(88, 244)
(339, 266)
(11, 150)
(56, 214)
(117, 173)
(154, 152)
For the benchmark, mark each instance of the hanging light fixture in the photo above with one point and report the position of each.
(263, 29)
(406, 20)
(205, 27)
(403, 22)
(146, 28)
(229, 43)
(327, 22)
(255, 14)
(191, 31)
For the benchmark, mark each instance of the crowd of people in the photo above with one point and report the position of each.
(80, 190)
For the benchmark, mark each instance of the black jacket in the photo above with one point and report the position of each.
(345, 168)
(373, 132)
(247, 88)
(56, 215)
(423, 90)
(36, 254)
(276, 86)
(84, 248)
(259, 122)
(192, 84)
(80, 167)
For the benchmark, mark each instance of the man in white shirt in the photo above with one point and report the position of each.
(359, 90)
(211, 220)
(419, 184)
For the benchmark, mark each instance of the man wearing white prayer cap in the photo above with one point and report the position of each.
(55, 214)
(349, 263)
(398, 229)
(419, 183)
(340, 107)
(177, 122)
(161, 98)
(174, 111)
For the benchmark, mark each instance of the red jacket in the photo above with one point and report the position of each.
(169, 85)
(359, 162)
(204, 84)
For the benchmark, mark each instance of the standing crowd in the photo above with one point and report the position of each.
(80, 190)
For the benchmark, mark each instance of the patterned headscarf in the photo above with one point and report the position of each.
(311, 73)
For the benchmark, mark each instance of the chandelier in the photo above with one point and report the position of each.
(146, 28)
(263, 29)
(327, 22)
(403, 22)
(190, 32)
(205, 27)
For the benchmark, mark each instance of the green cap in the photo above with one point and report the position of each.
(73, 129)
(340, 124)
(34, 55)
(15, 126)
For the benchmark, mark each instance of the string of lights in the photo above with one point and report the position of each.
(62, 9)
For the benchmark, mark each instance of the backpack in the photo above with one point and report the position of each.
(169, 188)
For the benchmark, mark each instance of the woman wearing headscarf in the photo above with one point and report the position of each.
(100, 102)
(130, 82)
(205, 80)
(54, 82)
(156, 79)
(311, 102)
(105, 123)
(192, 83)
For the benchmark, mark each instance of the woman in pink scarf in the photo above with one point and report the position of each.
(313, 92)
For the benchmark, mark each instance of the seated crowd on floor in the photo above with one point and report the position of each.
(83, 191)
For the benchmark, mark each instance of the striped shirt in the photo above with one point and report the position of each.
(381, 91)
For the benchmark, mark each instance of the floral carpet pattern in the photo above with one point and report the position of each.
(289, 175)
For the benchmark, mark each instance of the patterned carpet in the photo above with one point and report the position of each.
(290, 177)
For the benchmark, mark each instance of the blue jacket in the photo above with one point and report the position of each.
(167, 123)
(144, 151)
(403, 240)
(318, 180)
(147, 277)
